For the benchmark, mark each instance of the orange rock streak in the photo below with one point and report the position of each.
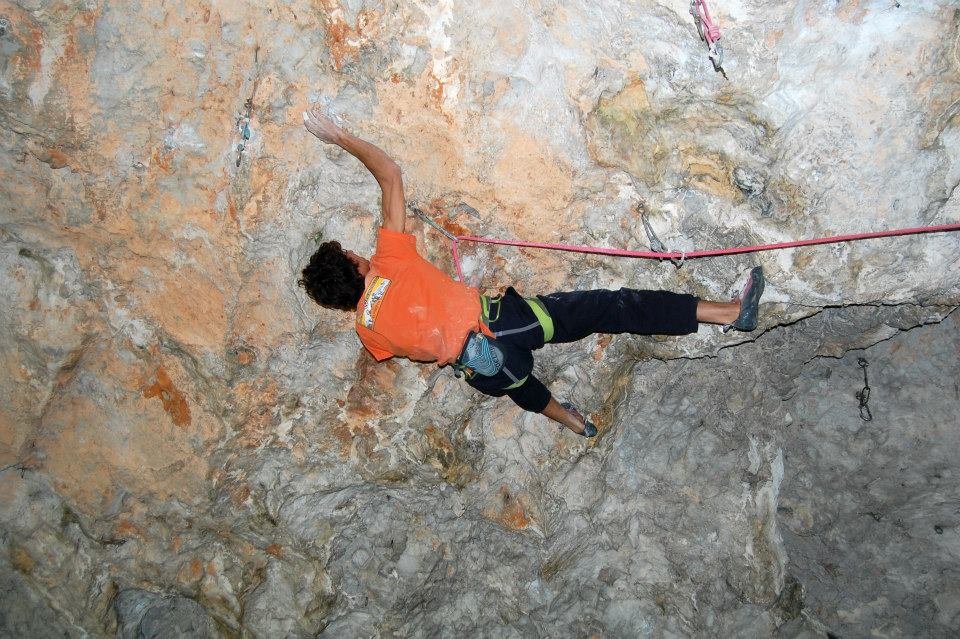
(173, 400)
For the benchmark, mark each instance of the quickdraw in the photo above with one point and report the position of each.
(243, 128)
(863, 395)
(456, 240)
(655, 244)
(429, 220)
(709, 33)
(243, 122)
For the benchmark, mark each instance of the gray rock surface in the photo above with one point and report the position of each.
(863, 492)
(146, 615)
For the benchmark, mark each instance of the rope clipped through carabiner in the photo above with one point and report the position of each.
(709, 33)
(652, 239)
(676, 255)
(454, 240)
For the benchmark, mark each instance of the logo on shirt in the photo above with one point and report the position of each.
(372, 297)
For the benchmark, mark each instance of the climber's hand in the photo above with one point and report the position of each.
(321, 126)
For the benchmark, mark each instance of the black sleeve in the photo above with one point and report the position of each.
(532, 395)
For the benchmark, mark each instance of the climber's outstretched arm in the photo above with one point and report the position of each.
(384, 169)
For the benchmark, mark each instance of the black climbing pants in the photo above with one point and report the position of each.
(522, 325)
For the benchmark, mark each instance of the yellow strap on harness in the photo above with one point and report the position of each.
(539, 310)
(546, 322)
(488, 303)
(517, 384)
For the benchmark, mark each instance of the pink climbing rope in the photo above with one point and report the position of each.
(711, 32)
(681, 255)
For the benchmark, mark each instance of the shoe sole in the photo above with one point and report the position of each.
(749, 315)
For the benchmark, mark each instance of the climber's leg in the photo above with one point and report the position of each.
(577, 314)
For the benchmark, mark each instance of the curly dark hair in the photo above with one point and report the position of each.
(331, 279)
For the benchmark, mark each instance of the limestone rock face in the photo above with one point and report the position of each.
(188, 445)
(145, 615)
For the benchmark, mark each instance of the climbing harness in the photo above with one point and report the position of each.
(490, 308)
(490, 313)
(863, 395)
(709, 33)
(544, 319)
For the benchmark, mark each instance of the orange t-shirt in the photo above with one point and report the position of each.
(413, 309)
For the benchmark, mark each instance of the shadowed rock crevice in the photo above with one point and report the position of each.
(711, 547)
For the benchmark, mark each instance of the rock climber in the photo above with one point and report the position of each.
(404, 306)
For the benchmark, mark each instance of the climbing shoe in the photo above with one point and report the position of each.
(749, 303)
(589, 430)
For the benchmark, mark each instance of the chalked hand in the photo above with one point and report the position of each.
(321, 126)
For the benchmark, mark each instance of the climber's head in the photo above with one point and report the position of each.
(334, 277)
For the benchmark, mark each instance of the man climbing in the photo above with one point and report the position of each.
(407, 307)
